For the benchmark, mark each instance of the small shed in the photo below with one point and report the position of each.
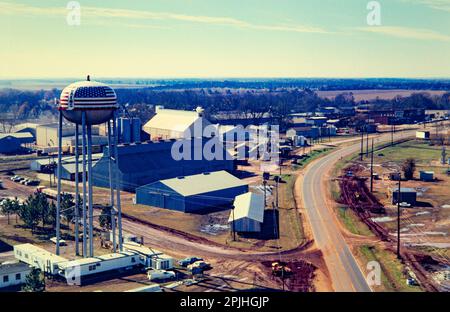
(395, 176)
(248, 213)
(424, 135)
(427, 176)
(407, 195)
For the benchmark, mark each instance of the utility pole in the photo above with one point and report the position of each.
(399, 196)
(234, 229)
(362, 144)
(264, 184)
(367, 142)
(371, 169)
(277, 184)
(444, 155)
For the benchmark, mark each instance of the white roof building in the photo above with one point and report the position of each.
(248, 213)
(176, 124)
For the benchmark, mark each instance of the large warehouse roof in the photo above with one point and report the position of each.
(174, 120)
(19, 135)
(248, 205)
(203, 183)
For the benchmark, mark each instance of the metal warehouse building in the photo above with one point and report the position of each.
(141, 164)
(192, 193)
(12, 142)
(248, 213)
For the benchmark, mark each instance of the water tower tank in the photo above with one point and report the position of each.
(98, 100)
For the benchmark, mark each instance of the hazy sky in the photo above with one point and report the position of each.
(225, 38)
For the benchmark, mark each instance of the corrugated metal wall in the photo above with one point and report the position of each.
(159, 195)
(145, 163)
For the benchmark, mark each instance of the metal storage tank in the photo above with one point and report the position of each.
(125, 130)
(136, 130)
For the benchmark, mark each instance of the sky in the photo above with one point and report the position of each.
(225, 38)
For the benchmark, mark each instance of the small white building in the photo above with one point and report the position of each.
(39, 258)
(161, 262)
(149, 257)
(248, 213)
(424, 135)
(13, 274)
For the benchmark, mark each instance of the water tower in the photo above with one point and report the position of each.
(88, 103)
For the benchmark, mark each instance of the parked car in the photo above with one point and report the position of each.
(160, 275)
(189, 260)
(32, 182)
(203, 265)
(18, 179)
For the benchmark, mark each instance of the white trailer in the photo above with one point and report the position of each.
(38, 258)
(101, 264)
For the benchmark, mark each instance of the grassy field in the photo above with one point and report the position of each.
(352, 222)
(419, 150)
(393, 276)
(364, 95)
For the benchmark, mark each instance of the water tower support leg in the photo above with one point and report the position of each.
(58, 196)
(84, 185)
(111, 187)
(77, 192)
(116, 169)
(90, 201)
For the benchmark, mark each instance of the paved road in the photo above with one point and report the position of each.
(344, 270)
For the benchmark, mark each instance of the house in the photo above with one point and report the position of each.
(248, 213)
(193, 193)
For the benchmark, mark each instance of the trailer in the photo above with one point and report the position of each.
(149, 257)
(38, 258)
(82, 268)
